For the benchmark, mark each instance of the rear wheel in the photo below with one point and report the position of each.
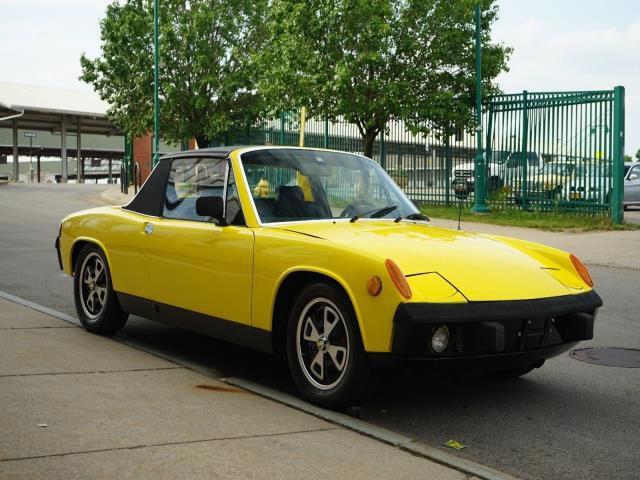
(96, 303)
(324, 349)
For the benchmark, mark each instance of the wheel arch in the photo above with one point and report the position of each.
(77, 246)
(289, 287)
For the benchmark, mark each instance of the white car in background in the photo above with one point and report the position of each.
(463, 174)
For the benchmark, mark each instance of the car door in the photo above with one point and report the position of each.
(632, 185)
(195, 263)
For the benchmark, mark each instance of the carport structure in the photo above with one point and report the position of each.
(57, 110)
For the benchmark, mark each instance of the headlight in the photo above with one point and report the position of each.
(440, 339)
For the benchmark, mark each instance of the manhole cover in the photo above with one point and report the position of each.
(608, 356)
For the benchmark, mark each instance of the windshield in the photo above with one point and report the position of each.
(295, 184)
(601, 169)
(556, 169)
(498, 156)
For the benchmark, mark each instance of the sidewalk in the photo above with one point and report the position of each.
(76, 405)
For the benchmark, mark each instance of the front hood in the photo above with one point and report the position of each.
(482, 268)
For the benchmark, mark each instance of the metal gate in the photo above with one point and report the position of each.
(558, 152)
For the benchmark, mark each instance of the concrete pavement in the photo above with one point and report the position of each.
(76, 405)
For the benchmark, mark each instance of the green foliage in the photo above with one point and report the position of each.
(627, 158)
(206, 80)
(638, 155)
(371, 61)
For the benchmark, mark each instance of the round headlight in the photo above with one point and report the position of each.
(440, 339)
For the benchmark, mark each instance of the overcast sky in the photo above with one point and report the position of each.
(558, 45)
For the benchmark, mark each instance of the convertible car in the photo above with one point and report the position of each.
(317, 256)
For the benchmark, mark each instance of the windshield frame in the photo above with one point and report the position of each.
(374, 165)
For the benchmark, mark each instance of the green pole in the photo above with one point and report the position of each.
(617, 211)
(383, 150)
(480, 189)
(282, 125)
(156, 75)
(448, 162)
(525, 149)
(326, 133)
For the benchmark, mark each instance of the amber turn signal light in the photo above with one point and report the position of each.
(398, 278)
(581, 269)
(374, 286)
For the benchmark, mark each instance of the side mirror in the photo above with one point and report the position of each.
(633, 176)
(211, 207)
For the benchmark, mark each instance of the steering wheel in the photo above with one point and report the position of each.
(356, 207)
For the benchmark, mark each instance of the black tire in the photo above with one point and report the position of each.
(96, 302)
(516, 372)
(329, 369)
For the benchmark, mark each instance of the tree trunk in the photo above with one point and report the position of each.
(202, 141)
(368, 140)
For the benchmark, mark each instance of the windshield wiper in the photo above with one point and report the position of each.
(377, 213)
(414, 216)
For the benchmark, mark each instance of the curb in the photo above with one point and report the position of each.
(472, 469)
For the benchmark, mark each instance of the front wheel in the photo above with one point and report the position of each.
(324, 348)
(96, 303)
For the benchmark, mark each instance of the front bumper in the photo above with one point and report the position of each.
(492, 335)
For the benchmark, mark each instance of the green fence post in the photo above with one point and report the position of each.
(525, 147)
(617, 211)
(383, 153)
(282, 123)
(326, 133)
(448, 166)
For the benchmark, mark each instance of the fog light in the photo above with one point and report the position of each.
(440, 339)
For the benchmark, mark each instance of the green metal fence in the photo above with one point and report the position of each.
(558, 152)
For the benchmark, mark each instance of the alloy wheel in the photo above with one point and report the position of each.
(322, 343)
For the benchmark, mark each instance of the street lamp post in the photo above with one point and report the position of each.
(480, 180)
(156, 106)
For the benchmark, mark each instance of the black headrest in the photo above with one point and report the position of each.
(288, 193)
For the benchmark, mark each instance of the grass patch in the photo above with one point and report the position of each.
(518, 218)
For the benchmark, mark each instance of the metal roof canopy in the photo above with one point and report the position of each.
(54, 109)
(44, 107)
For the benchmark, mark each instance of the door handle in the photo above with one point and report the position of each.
(148, 228)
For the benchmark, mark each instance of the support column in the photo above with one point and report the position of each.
(63, 149)
(80, 161)
(16, 166)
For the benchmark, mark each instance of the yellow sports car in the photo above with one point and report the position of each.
(318, 256)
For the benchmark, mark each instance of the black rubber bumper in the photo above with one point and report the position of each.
(501, 334)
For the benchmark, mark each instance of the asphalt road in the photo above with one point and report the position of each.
(567, 420)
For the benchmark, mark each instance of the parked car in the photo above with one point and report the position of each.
(249, 245)
(594, 183)
(547, 183)
(463, 174)
(632, 186)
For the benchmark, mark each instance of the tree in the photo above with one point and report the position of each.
(627, 158)
(371, 61)
(638, 155)
(206, 81)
